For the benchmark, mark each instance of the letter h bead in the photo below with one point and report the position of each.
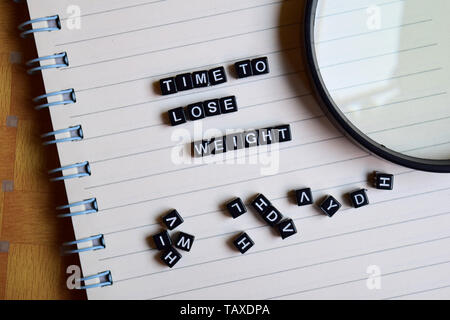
(171, 257)
(243, 243)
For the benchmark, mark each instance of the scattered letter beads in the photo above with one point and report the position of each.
(359, 198)
(243, 243)
(184, 241)
(236, 208)
(384, 181)
(272, 216)
(304, 197)
(172, 219)
(330, 206)
(261, 203)
(162, 240)
(170, 257)
(286, 228)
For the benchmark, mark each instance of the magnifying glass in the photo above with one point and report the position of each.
(381, 71)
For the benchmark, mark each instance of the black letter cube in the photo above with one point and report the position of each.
(384, 181)
(162, 240)
(217, 145)
(359, 198)
(212, 107)
(243, 243)
(228, 104)
(260, 66)
(234, 141)
(330, 206)
(170, 257)
(201, 148)
(304, 196)
(177, 116)
(251, 138)
(217, 76)
(184, 82)
(200, 79)
(172, 219)
(168, 86)
(236, 208)
(184, 241)
(195, 111)
(272, 216)
(286, 228)
(243, 69)
(265, 136)
(283, 133)
(261, 203)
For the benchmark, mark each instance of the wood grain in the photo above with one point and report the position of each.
(33, 267)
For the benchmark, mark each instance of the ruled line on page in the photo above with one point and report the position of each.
(361, 279)
(112, 10)
(166, 74)
(398, 102)
(357, 9)
(228, 184)
(172, 23)
(418, 292)
(409, 125)
(210, 89)
(308, 266)
(427, 146)
(287, 245)
(387, 79)
(180, 46)
(378, 56)
(354, 35)
(248, 203)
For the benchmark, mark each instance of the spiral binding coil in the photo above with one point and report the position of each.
(76, 134)
(79, 166)
(54, 23)
(88, 206)
(68, 96)
(105, 279)
(98, 243)
(61, 60)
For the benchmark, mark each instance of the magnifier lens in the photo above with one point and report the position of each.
(386, 67)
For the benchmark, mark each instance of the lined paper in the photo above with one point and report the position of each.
(116, 59)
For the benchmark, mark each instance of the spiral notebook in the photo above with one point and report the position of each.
(124, 166)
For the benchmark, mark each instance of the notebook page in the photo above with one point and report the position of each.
(140, 169)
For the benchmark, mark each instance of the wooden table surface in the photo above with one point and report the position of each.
(31, 266)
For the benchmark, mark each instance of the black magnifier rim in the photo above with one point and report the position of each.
(336, 115)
